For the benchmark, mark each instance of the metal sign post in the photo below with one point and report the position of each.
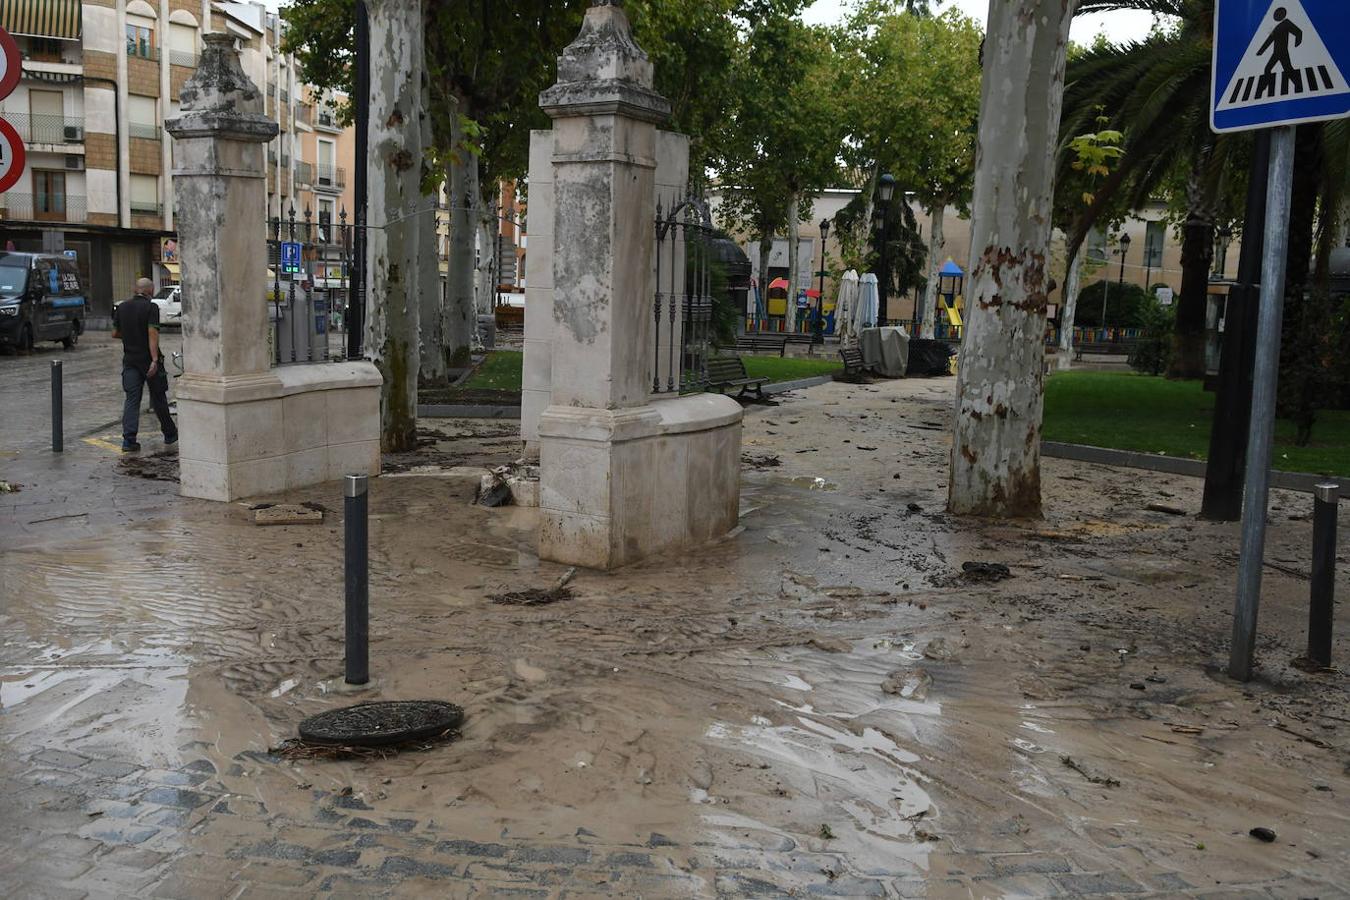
(1276, 63)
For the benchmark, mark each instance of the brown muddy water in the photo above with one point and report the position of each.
(821, 703)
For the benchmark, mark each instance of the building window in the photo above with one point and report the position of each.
(325, 219)
(143, 117)
(1155, 234)
(1096, 245)
(327, 164)
(182, 44)
(145, 195)
(43, 50)
(140, 40)
(49, 195)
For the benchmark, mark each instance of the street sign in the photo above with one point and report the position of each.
(290, 257)
(11, 156)
(11, 64)
(1279, 62)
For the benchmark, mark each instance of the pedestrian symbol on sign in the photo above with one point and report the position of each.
(1286, 60)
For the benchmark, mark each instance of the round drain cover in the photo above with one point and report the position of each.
(381, 724)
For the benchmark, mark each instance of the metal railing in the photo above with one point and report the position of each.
(304, 172)
(326, 119)
(332, 176)
(43, 207)
(141, 130)
(136, 50)
(683, 303)
(45, 129)
(146, 208)
(311, 304)
(304, 113)
(186, 58)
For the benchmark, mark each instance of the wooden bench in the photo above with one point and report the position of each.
(1106, 348)
(853, 363)
(728, 372)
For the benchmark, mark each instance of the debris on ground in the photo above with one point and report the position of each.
(826, 832)
(762, 461)
(1165, 508)
(9, 487)
(1263, 834)
(938, 650)
(1103, 780)
(533, 596)
(288, 514)
(516, 484)
(985, 571)
(295, 748)
(161, 466)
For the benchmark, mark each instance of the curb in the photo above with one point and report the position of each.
(783, 387)
(1172, 465)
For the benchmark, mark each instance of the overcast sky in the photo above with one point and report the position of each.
(1123, 25)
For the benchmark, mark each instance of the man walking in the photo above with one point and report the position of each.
(136, 322)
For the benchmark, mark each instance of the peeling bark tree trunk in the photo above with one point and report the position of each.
(765, 249)
(793, 261)
(936, 241)
(1197, 259)
(431, 349)
(1073, 281)
(996, 447)
(394, 170)
(459, 308)
(486, 284)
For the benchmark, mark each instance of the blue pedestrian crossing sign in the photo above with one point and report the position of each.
(290, 257)
(1279, 62)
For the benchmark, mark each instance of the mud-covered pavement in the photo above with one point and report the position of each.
(821, 704)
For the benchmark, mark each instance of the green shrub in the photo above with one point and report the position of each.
(1153, 351)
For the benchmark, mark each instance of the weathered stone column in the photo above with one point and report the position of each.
(247, 428)
(220, 180)
(621, 476)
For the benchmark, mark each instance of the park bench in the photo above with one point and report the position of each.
(853, 363)
(1108, 348)
(728, 372)
(773, 343)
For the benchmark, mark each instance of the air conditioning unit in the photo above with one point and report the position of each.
(75, 162)
(74, 133)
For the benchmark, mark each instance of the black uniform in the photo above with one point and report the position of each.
(133, 319)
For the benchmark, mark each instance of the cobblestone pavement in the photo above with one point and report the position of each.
(819, 706)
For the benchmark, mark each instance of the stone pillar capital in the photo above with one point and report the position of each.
(605, 72)
(220, 101)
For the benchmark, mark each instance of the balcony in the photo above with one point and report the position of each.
(304, 114)
(146, 208)
(304, 173)
(185, 58)
(332, 177)
(326, 119)
(40, 129)
(147, 132)
(44, 207)
(138, 50)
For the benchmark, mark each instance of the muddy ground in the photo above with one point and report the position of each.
(821, 704)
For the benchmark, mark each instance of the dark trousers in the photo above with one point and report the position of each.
(133, 380)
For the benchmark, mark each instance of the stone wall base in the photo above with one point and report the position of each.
(621, 485)
(290, 427)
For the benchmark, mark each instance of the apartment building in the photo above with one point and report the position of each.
(99, 79)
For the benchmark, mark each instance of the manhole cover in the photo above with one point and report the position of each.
(381, 724)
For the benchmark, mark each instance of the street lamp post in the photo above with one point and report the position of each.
(819, 337)
(1222, 238)
(885, 190)
(1124, 249)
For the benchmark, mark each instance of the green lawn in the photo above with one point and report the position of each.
(501, 370)
(777, 368)
(1153, 415)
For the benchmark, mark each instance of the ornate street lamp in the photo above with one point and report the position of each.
(819, 337)
(1124, 248)
(885, 190)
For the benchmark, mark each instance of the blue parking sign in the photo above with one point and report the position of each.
(1279, 62)
(290, 257)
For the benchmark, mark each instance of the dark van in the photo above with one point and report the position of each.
(41, 299)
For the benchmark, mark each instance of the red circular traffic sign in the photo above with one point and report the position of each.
(11, 66)
(11, 156)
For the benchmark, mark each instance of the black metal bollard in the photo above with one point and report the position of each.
(58, 409)
(1325, 498)
(356, 509)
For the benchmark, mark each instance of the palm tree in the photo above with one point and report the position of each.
(1156, 92)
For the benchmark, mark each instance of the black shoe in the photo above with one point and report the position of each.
(171, 441)
(131, 447)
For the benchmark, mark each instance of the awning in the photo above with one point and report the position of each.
(59, 19)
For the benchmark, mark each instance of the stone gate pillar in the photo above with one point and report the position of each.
(246, 427)
(621, 475)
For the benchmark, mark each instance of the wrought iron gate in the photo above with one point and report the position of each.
(683, 303)
(310, 305)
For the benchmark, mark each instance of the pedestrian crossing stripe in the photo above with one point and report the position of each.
(1286, 59)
